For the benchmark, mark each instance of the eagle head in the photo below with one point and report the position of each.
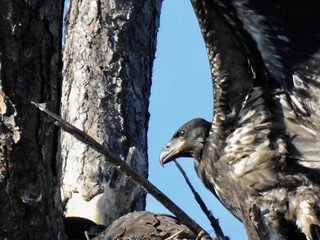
(188, 141)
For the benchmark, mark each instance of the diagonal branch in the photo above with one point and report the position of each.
(128, 171)
(213, 221)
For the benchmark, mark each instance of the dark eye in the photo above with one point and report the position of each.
(182, 133)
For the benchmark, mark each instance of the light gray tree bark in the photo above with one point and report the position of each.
(108, 58)
(30, 69)
(108, 55)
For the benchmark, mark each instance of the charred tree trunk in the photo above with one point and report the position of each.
(30, 66)
(108, 55)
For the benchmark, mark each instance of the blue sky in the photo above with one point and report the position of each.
(181, 90)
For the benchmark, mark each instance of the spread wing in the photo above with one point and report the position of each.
(264, 58)
(287, 36)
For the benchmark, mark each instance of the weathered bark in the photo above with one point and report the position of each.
(108, 57)
(29, 70)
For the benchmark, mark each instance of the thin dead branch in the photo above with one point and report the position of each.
(256, 216)
(127, 170)
(213, 221)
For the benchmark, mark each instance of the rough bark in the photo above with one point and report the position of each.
(30, 68)
(108, 55)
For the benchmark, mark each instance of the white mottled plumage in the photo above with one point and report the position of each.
(263, 146)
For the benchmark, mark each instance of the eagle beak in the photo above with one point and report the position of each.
(172, 150)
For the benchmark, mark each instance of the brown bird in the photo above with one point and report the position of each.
(145, 225)
(261, 154)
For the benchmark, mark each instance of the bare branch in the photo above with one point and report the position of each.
(257, 219)
(127, 170)
(213, 221)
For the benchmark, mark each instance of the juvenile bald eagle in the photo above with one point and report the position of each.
(263, 147)
(146, 225)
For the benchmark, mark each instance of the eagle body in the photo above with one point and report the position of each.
(261, 153)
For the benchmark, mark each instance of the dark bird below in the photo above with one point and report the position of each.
(77, 228)
(146, 225)
(263, 147)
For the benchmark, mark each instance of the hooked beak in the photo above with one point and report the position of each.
(172, 150)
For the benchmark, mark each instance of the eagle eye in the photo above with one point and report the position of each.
(182, 133)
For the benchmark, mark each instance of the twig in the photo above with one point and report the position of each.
(257, 218)
(213, 221)
(126, 169)
(174, 235)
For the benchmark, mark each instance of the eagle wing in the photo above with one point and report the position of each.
(264, 58)
(287, 36)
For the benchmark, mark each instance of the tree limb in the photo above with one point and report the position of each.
(213, 221)
(128, 171)
(257, 219)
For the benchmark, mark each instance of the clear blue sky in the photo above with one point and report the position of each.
(181, 90)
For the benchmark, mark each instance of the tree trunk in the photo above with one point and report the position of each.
(108, 55)
(30, 65)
